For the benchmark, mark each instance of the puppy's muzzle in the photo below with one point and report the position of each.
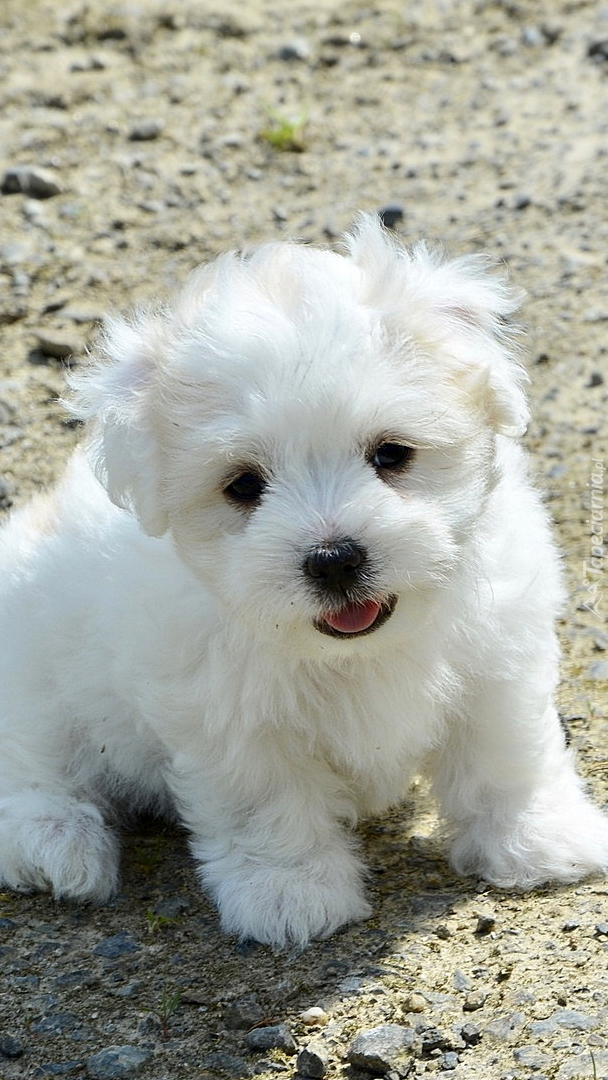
(336, 569)
(340, 574)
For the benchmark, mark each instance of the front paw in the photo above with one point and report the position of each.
(283, 905)
(546, 843)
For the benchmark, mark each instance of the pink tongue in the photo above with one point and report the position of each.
(354, 618)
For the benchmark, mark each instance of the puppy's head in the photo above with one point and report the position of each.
(317, 432)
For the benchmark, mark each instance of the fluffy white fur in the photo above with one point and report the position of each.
(165, 645)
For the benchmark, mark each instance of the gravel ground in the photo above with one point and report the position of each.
(139, 139)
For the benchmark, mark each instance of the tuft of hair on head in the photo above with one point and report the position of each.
(469, 297)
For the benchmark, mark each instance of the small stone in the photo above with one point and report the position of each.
(432, 1039)
(470, 1034)
(381, 1048)
(313, 1060)
(504, 1028)
(131, 990)
(145, 130)
(415, 1003)
(598, 51)
(533, 37)
(391, 215)
(116, 1062)
(598, 671)
(486, 922)
(121, 944)
(272, 1037)
(243, 1014)
(531, 1057)
(571, 1020)
(11, 1047)
(595, 379)
(220, 1062)
(37, 183)
(11, 311)
(298, 49)
(450, 1060)
(460, 980)
(584, 1066)
(474, 1000)
(60, 1068)
(313, 1016)
(59, 344)
(601, 929)
(56, 1024)
(171, 907)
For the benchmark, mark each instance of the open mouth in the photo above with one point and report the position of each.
(354, 620)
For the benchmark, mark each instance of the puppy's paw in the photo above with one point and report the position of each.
(283, 905)
(55, 843)
(553, 840)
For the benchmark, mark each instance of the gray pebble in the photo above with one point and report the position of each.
(298, 49)
(220, 1062)
(11, 1047)
(583, 1066)
(470, 1034)
(61, 1068)
(116, 1061)
(272, 1037)
(381, 1048)
(460, 980)
(117, 945)
(432, 1039)
(131, 990)
(59, 344)
(391, 215)
(474, 1000)
(172, 907)
(570, 1019)
(598, 51)
(531, 1057)
(56, 1024)
(313, 1060)
(486, 922)
(11, 311)
(37, 183)
(504, 1028)
(145, 130)
(450, 1060)
(533, 37)
(598, 670)
(243, 1014)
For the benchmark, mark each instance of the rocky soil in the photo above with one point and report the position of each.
(140, 138)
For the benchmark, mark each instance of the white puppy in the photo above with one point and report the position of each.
(298, 560)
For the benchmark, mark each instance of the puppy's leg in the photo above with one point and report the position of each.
(508, 785)
(52, 841)
(274, 855)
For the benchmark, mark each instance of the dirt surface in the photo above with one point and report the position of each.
(160, 134)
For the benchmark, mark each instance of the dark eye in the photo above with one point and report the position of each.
(246, 488)
(390, 456)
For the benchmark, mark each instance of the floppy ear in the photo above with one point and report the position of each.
(479, 304)
(115, 393)
(463, 305)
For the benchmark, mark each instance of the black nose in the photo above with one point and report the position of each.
(336, 567)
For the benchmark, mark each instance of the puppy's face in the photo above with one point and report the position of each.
(317, 432)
